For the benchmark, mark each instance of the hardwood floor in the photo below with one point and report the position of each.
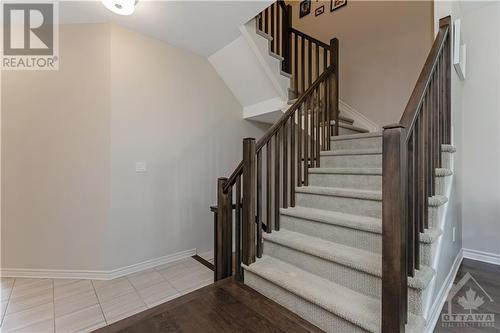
(488, 278)
(225, 306)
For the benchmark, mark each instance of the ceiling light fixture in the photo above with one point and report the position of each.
(121, 7)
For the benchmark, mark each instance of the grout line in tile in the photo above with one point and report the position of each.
(137, 291)
(99, 302)
(8, 301)
(53, 305)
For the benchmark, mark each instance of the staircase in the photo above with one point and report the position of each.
(339, 224)
(325, 262)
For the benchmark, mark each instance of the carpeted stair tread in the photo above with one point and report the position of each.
(342, 152)
(347, 171)
(341, 192)
(358, 222)
(359, 309)
(361, 260)
(356, 136)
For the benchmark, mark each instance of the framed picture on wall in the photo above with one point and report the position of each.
(319, 10)
(336, 4)
(305, 8)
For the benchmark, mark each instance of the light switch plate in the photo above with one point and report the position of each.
(140, 167)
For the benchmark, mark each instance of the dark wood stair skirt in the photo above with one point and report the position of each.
(225, 306)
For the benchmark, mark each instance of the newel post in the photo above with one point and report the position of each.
(223, 232)
(334, 84)
(394, 268)
(286, 29)
(249, 194)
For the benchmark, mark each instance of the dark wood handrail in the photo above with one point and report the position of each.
(276, 126)
(411, 155)
(415, 102)
(310, 38)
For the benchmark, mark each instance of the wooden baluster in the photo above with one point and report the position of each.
(325, 59)
(323, 117)
(420, 182)
(285, 165)
(237, 230)
(279, 30)
(307, 105)
(292, 158)
(296, 64)
(277, 181)
(432, 108)
(266, 21)
(317, 61)
(426, 160)
(302, 65)
(224, 251)
(287, 40)
(311, 133)
(269, 223)
(435, 127)
(273, 42)
(394, 273)
(410, 209)
(309, 63)
(259, 204)
(328, 111)
(216, 246)
(248, 223)
(334, 61)
(317, 127)
(448, 88)
(300, 132)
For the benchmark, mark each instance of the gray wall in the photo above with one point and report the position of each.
(71, 198)
(481, 127)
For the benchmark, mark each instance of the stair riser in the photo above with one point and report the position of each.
(351, 237)
(359, 239)
(346, 276)
(364, 207)
(359, 182)
(316, 315)
(351, 161)
(361, 143)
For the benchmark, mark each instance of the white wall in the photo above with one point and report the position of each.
(71, 199)
(170, 109)
(55, 158)
(481, 127)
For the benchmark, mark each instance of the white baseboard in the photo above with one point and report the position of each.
(97, 274)
(487, 257)
(443, 294)
(359, 119)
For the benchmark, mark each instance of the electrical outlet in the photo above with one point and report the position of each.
(140, 167)
(454, 229)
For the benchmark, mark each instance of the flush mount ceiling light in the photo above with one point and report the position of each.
(121, 7)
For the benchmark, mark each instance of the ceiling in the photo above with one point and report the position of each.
(203, 27)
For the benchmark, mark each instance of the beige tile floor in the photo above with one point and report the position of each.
(62, 305)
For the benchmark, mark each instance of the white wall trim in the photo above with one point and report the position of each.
(360, 120)
(95, 275)
(487, 257)
(442, 295)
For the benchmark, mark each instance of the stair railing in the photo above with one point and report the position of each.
(265, 181)
(411, 154)
(304, 56)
